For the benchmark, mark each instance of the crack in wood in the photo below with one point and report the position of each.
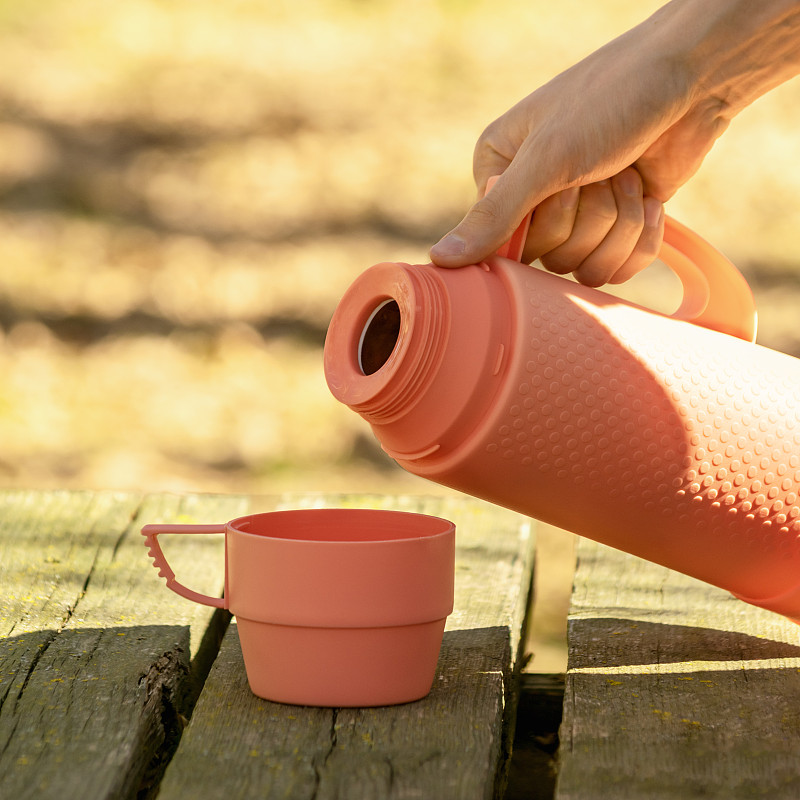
(321, 764)
(26, 680)
(165, 687)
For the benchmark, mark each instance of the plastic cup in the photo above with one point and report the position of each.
(334, 607)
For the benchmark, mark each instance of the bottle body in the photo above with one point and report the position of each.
(667, 440)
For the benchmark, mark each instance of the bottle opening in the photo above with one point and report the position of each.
(379, 337)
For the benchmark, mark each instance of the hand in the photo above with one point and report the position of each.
(603, 232)
(598, 150)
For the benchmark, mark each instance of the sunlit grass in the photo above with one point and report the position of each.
(187, 188)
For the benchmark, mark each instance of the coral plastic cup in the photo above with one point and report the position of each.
(334, 607)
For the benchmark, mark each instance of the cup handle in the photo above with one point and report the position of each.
(715, 294)
(151, 533)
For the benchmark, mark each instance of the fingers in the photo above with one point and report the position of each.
(648, 244)
(613, 232)
(620, 239)
(595, 219)
(487, 226)
(603, 232)
(551, 224)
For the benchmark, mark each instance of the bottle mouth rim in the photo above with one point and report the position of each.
(406, 353)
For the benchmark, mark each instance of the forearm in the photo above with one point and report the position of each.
(652, 101)
(734, 50)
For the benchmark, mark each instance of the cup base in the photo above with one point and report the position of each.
(340, 667)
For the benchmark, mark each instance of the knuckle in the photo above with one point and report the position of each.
(487, 137)
(554, 239)
(594, 274)
(599, 205)
(630, 218)
(628, 180)
(648, 246)
(544, 238)
(484, 216)
(556, 264)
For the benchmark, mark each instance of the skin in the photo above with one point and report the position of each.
(599, 149)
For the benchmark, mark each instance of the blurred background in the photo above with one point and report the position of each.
(187, 187)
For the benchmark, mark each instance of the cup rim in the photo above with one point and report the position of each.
(431, 527)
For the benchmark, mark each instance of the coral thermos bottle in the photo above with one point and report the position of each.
(675, 438)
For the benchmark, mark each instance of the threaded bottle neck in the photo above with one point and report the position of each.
(386, 340)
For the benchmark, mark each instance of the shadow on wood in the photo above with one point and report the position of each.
(627, 642)
(450, 742)
(92, 712)
(675, 689)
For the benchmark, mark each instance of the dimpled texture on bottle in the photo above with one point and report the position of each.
(667, 439)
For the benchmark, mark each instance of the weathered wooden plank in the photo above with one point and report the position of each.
(452, 744)
(92, 682)
(675, 689)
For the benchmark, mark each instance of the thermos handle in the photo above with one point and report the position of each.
(715, 293)
(151, 532)
(516, 244)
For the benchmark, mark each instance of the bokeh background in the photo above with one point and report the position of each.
(187, 187)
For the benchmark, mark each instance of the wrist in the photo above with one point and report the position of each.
(733, 50)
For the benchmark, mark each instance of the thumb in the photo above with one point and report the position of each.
(488, 225)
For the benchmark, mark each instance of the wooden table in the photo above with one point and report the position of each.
(101, 666)
(675, 689)
(113, 687)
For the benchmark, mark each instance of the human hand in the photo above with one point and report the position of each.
(599, 149)
(603, 232)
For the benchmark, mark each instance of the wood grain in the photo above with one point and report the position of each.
(675, 689)
(452, 744)
(97, 657)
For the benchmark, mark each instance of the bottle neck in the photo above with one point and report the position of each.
(439, 342)
(386, 340)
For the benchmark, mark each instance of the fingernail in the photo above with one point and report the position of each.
(569, 197)
(450, 245)
(653, 209)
